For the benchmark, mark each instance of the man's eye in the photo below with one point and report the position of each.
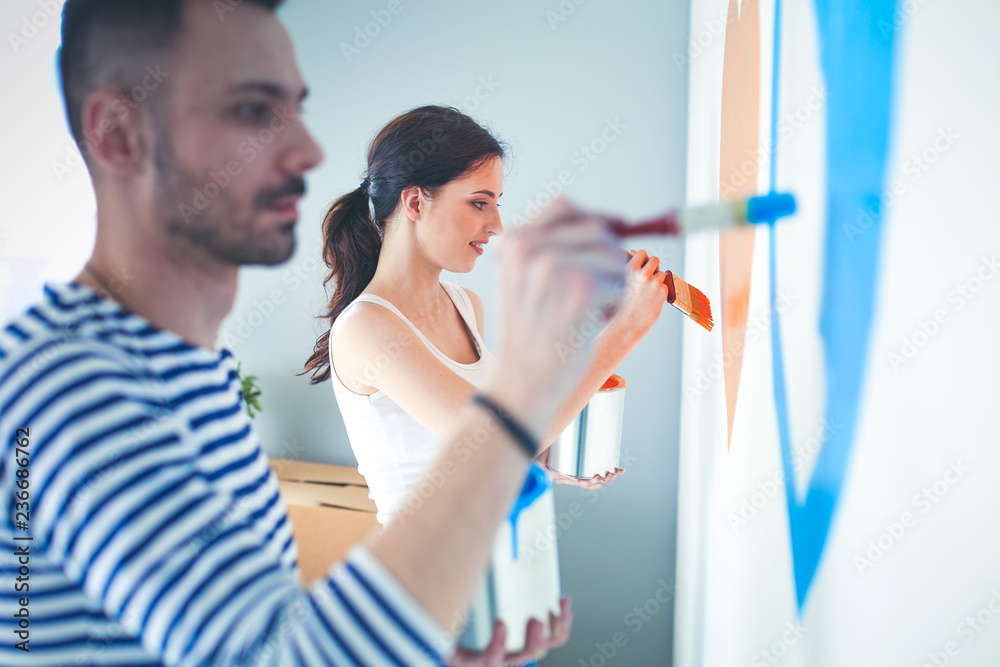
(251, 111)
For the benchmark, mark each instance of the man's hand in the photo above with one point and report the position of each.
(537, 647)
(560, 274)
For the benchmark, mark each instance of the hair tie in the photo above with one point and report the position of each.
(364, 185)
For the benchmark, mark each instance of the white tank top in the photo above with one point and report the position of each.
(393, 449)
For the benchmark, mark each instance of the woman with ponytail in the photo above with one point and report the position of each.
(405, 351)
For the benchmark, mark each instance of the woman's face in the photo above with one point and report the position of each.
(462, 217)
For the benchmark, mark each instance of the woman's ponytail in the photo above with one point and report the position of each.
(351, 247)
(426, 148)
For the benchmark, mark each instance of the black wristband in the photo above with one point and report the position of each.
(528, 442)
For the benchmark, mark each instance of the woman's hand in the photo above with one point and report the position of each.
(593, 484)
(536, 648)
(645, 294)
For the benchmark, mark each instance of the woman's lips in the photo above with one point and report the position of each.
(478, 248)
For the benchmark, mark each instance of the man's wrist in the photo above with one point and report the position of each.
(522, 400)
(517, 431)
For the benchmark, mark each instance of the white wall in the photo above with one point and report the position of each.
(549, 76)
(906, 578)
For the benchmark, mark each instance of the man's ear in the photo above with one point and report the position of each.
(411, 200)
(116, 132)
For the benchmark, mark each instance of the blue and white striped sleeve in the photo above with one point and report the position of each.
(120, 504)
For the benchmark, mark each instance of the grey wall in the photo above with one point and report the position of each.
(547, 87)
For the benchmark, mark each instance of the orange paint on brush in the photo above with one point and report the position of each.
(689, 300)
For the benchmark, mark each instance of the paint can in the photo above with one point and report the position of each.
(523, 578)
(591, 444)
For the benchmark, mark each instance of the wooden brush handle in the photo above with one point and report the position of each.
(666, 225)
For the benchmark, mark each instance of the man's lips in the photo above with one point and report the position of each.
(286, 206)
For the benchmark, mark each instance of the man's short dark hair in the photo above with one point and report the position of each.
(111, 43)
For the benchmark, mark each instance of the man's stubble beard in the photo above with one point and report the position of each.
(216, 229)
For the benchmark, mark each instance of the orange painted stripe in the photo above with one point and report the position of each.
(738, 167)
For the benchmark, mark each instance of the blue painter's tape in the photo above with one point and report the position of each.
(857, 39)
(536, 484)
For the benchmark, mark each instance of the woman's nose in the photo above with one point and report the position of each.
(495, 228)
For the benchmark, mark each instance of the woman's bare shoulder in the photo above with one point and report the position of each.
(367, 322)
(478, 309)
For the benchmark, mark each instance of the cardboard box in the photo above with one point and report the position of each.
(329, 509)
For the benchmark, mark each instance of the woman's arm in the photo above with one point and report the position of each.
(643, 299)
(375, 350)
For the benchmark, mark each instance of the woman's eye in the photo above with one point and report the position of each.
(479, 205)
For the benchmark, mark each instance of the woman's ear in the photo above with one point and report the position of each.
(411, 200)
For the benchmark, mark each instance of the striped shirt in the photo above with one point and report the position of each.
(153, 532)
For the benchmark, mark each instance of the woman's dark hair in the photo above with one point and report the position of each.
(426, 147)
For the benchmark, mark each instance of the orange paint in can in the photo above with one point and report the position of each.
(613, 382)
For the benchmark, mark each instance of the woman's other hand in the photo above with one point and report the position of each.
(592, 484)
(538, 645)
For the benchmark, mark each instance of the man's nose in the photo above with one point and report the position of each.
(304, 153)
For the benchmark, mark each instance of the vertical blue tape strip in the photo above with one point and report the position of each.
(856, 42)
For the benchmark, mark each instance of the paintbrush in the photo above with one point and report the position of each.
(755, 210)
(688, 299)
